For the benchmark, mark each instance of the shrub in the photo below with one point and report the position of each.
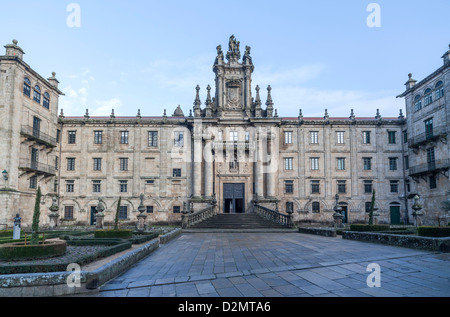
(123, 234)
(20, 251)
(357, 227)
(434, 231)
(36, 215)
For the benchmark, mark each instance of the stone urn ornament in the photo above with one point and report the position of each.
(338, 217)
(417, 207)
(54, 215)
(141, 226)
(99, 216)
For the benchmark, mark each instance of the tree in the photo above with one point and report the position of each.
(116, 220)
(36, 215)
(372, 208)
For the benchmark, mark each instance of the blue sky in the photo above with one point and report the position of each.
(150, 55)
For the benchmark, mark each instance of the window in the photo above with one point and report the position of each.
(431, 160)
(342, 187)
(27, 87)
(368, 187)
(123, 212)
(96, 186)
(153, 139)
(367, 162)
(176, 209)
(429, 129)
(288, 163)
(124, 164)
(394, 186)
(70, 186)
(433, 182)
(56, 163)
(417, 103)
(428, 98)
(72, 137)
(68, 212)
(314, 163)
(316, 207)
(288, 137)
(220, 136)
(149, 209)
(393, 163)
(314, 137)
(97, 164)
(124, 137)
(234, 136)
(289, 187)
(33, 182)
(37, 94)
(70, 164)
(55, 186)
(341, 164)
(289, 207)
(407, 162)
(439, 90)
(408, 185)
(179, 139)
(46, 102)
(177, 172)
(315, 187)
(247, 136)
(366, 137)
(367, 206)
(98, 137)
(405, 136)
(58, 135)
(340, 137)
(391, 137)
(123, 186)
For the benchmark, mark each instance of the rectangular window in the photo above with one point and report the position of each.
(393, 163)
(123, 212)
(342, 187)
(429, 129)
(176, 209)
(288, 137)
(368, 187)
(98, 137)
(177, 172)
(123, 164)
(234, 136)
(97, 164)
(70, 164)
(394, 186)
(247, 136)
(406, 162)
(153, 139)
(433, 182)
(70, 186)
(391, 137)
(288, 163)
(179, 139)
(96, 186)
(405, 136)
(33, 182)
(149, 209)
(340, 137)
(68, 212)
(341, 164)
(123, 137)
(289, 206)
(315, 187)
(367, 206)
(431, 160)
(367, 161)
(72, 137)
(56, 163)
(314, 163)
(316, 207)
(123, 186)
(58, 136)
(366, 137)
(289, 187)
(314, 137)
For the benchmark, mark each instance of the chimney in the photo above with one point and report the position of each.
(14, 50)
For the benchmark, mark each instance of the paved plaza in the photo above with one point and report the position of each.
(281, 265)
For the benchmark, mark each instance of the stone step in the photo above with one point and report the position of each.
(237, 221)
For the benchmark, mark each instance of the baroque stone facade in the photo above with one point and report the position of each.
(230, 149)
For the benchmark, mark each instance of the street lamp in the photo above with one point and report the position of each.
(5, 175)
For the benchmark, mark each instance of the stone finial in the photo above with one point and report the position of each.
(178, 112)
(139, 113)
(300, 115)
(269, 102)
(112, 114)
(378, 116)
(326, 117)
(208, 97)
(197, 101)
(352, 115)
(61, 115)
(276, 113)
(401, 117)
(86, 115)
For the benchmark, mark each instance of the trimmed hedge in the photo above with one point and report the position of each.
(368, 228)
(433, 231)
(20, 251)
(121, 234)
(143, 237)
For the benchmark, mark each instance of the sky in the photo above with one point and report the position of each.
(150, 55)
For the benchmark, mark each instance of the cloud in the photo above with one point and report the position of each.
(103, 108)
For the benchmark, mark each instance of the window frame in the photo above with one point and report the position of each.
(288, 163)
(153, 139)
(124, 137)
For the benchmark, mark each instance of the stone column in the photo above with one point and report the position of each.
(259, 169)
(208, 168)
(197, 166)
(272, 169)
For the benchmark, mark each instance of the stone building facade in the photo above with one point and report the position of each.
(230, 149)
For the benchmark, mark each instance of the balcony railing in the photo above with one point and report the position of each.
(427, 136)
(234, 145)
(38, 136)
(430, 167)
(40, 168)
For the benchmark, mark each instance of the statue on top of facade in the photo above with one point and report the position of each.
(233, 49)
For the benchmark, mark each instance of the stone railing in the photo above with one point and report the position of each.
(36, 167)
(274, 216)
(433, 166)
(189, 220)
(431, 135)
(38, 135)
(234, 145)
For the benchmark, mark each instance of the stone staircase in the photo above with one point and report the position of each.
(237, 221)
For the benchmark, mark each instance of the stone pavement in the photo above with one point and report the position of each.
(281, 265)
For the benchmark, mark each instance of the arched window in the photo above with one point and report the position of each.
(439, 90)
(428, 97)
(46, 102)
(27, 87)
(37, 94)
(417, 103)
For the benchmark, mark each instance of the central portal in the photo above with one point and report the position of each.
(234, 198)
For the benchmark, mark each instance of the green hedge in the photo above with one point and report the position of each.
(139, 238)
(20, 251)
(123, 234)
(434, 231)
(369, 228)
